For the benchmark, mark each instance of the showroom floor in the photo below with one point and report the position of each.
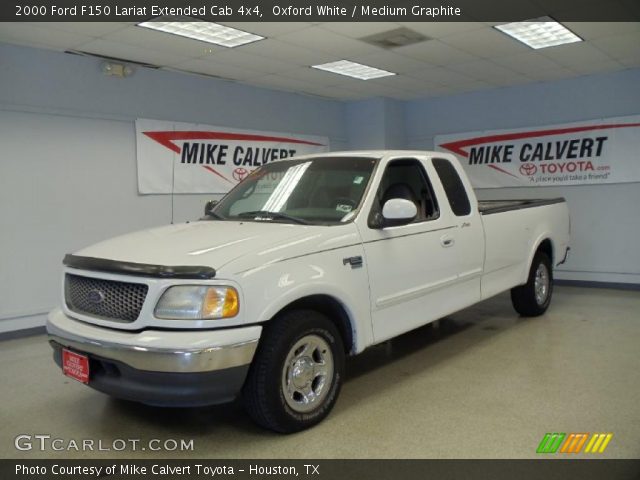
(481, 384)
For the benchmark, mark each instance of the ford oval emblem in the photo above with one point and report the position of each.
(95, 296)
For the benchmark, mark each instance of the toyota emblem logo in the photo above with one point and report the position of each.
(528, 169)
(240, 173)
(95, 296)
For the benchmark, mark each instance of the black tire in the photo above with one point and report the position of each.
(528, 301)
(264, 395)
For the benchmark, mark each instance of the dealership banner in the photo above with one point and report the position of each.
(594, 152)
(194, 158)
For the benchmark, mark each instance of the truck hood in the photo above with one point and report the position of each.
(218, 243)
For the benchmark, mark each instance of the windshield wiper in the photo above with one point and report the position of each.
(266, 214)
(214, 215)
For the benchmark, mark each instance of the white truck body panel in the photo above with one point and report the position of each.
(407, 276)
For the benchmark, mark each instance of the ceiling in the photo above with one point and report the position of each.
(459, 57)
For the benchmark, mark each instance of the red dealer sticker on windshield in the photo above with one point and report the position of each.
(75, 366)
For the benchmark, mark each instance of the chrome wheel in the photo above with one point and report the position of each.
(307, 373)
(541, 284)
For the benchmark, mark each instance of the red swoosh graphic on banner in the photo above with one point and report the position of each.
(457, 146)
(167, 138)
(213, 170)
(502, 170)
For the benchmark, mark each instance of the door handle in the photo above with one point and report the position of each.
(447, 241)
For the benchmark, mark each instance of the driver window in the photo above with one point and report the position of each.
(407, 179)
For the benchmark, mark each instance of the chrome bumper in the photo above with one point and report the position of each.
(188, 351)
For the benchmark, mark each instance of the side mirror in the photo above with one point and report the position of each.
(398, 211)
(209, 206)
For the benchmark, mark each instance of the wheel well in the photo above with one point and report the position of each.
(546, 247)
(333, 309)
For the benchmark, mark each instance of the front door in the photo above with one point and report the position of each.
(413, 265)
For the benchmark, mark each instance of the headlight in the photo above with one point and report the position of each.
(190, 302)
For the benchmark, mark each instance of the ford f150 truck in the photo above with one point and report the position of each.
(306, 261)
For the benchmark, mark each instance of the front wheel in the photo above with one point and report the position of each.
(533, 298)
(296, 375)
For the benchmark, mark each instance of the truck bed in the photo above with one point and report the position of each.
(487, 207)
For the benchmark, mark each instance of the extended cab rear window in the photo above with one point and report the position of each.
(453, 187)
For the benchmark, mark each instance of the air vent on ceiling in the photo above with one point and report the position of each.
(398, 37)
(111, 59)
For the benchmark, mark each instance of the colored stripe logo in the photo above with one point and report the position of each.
(550, 442)
(598, 442)
(574, 442)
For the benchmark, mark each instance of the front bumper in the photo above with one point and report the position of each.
(159, 367)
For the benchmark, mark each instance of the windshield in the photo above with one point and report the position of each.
(323, 190)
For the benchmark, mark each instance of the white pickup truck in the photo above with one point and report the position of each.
(304, 262)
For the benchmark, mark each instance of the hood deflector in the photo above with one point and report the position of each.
(139, 269)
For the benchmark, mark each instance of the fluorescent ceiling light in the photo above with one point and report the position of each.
(540, 32)
(205, 31)
(353, 69)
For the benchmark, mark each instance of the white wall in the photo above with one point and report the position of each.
(376, 124)
(67, 158)
(605, 218)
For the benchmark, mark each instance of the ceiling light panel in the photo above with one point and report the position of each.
(205, 32)
(539, 33)
(353, 69)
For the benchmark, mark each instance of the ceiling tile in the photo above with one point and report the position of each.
(286, 52)
(358, 29)
(229, 72)
(556, 73)
(510, 80)
(597, 67)
(592, 30)
(268, 29)
(620, 46)
(441, 76)
(314, 75)
(390, 61)
(249, 61)
(132, 53)
(575, 55)
(464, 56)
(91, 29)
(630, 62)
(39, 35)
(162, 42)
(484, 70)
(321, 40)
(527, 62)
(486, 43)
(441, 29)
(404, 82)
(435, 52)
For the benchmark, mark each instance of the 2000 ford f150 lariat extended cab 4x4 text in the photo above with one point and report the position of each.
(304, 262)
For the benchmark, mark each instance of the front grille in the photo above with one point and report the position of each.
(107, 299)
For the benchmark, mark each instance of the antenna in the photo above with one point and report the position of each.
(173, 183)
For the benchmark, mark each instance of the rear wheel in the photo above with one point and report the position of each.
(533, 298)
(296, 375)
